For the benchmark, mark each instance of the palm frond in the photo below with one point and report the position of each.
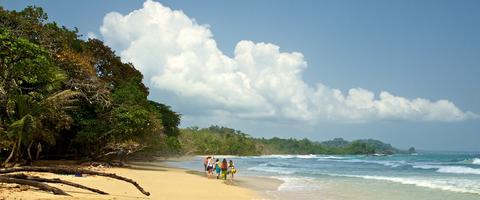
(22, 127)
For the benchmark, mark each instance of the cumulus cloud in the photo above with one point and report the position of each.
(180, 56)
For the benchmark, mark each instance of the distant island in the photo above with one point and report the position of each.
(227, 141)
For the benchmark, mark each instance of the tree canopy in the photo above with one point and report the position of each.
(227, 141)
(63, 96)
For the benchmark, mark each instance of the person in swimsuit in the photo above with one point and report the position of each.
(217, 168)
(205, 161)
(224, 168)
(210, 167)
(231, 169)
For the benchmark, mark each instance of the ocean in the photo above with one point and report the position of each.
(422, 176)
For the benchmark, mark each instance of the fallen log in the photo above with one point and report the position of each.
(65, 170)
(54, 180)
(39, 185)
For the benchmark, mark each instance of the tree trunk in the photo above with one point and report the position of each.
(11, 154)
(39, 185)
(55, 180)
(39, 149)
(29, 154)
(64, 170)
(18, 151)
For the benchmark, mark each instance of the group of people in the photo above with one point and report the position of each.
(221, 169)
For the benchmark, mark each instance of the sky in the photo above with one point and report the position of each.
(405, 72)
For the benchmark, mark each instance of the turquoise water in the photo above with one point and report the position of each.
(426, 175)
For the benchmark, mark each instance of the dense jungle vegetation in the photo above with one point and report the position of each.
(227, 141)
(63, 97)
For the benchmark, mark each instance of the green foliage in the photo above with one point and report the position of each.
(170, 119)
(222, 140)
(26, 65)
(291, 146)
(359, 147)
(21, 128)
(110, 68)
(127, 121)
(129, 92)
(35, 102)
(75, 97)
(336, 143)
(217, 140)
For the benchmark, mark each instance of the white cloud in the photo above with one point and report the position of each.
(178, 55)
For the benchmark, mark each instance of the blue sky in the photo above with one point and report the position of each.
(411, 49)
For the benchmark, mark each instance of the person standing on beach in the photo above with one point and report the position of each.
(224, 169)
(210, 165)
(217, 168)
(205, 162)
(231, 169)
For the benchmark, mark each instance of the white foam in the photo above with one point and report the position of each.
(457, 185)
(297, 183)
(379, 162)
(458, 170)
(334, 157)
(275, 156)
(476, 161)
(425, 167)
(450, 169)
(306, 156)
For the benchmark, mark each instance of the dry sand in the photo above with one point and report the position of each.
(161, 181)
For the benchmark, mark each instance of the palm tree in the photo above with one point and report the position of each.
(36, 121)
(34, 105)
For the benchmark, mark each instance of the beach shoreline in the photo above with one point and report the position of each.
(163, 181)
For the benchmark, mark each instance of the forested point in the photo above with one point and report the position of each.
(227, 141)
(63, 97)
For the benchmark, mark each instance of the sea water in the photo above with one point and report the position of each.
(425, 175)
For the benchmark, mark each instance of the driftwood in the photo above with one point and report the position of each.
(65, 170)
(39, 185)
(54, 180)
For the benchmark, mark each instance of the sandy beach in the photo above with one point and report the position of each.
(163, 182)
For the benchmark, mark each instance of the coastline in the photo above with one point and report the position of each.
(161, 180)
(264, 187)
(358, 177)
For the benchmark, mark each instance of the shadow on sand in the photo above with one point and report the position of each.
(146, 166)
(237, 182)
